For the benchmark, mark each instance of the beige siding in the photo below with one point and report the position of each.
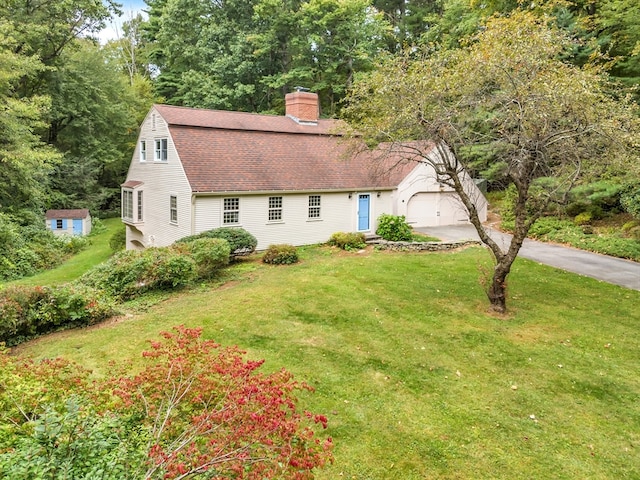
(338, 214)
(161, 180)
(426, 203)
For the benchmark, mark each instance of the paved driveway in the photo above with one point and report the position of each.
(608, 269)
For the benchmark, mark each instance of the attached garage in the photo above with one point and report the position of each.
(430, 209)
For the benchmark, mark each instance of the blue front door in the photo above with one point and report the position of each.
(77, 226)
(363, 212)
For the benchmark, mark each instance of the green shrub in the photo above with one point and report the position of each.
(209, 254)
(545, 225)
(26, 312)
(583, 218)
(348, 240)
(131, 272)
(280, 255)
(73, 244)
(576, 208)
(118, 240)
(394, 228)
(630, 199)
(28, 249)
(240, 241)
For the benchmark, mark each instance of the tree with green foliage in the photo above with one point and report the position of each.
(25, 160)
(246, 54)
(94, 119)
(547, 122)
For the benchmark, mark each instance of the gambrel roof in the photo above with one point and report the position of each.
(243, 152)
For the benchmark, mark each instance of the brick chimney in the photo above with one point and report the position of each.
(302, 106)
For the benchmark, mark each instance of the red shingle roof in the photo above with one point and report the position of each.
(77, 213)
(244, 152)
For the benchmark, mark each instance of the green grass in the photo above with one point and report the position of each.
(75, 266)
(417, 379)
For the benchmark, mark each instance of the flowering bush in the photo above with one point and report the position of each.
(194, 408)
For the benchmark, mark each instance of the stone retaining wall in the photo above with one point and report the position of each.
(420, 246)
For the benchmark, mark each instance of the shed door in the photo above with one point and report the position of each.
(363, 211)
(77, 226)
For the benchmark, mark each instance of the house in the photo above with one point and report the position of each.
(286, 179)
(69, 222)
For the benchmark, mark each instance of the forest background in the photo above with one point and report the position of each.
(72, 104)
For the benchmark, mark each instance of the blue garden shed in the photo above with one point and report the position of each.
(69, 222)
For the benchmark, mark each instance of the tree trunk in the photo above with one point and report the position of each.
(497, 289)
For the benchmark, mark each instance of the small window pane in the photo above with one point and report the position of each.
(139, 205)
(143, 151)
(275, 208)
(231, 210)
(59, 224)
(161, 150)
(174, 209)
(127, 204)
(314, 206)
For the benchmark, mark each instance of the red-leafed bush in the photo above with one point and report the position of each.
(193, 407)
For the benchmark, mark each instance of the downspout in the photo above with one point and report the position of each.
(193, 214)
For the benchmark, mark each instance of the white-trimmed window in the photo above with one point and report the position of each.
(139, 205)
(127, 205)
(161, 150)
(275, 209)
(314, 206)
(59, 224)
(143, 150)
(231, 210)
(173, 209)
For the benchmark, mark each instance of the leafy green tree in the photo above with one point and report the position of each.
(93, 122)
(547, 122)
(25, 160)
(246, 54)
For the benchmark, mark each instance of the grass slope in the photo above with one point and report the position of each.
(417, 379)
(74, 267)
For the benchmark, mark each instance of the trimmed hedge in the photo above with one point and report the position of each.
(240, 241)
(26, 312)
(282, 254)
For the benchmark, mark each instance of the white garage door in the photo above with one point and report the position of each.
(435, 208)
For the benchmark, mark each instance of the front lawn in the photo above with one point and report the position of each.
(417, 379)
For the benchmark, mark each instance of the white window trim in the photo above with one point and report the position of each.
(140, 206)
(127, 208)
(161, 150)
(318, 207)
(173, 209)
(143, 150)
(231, 211)
(279, 209)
